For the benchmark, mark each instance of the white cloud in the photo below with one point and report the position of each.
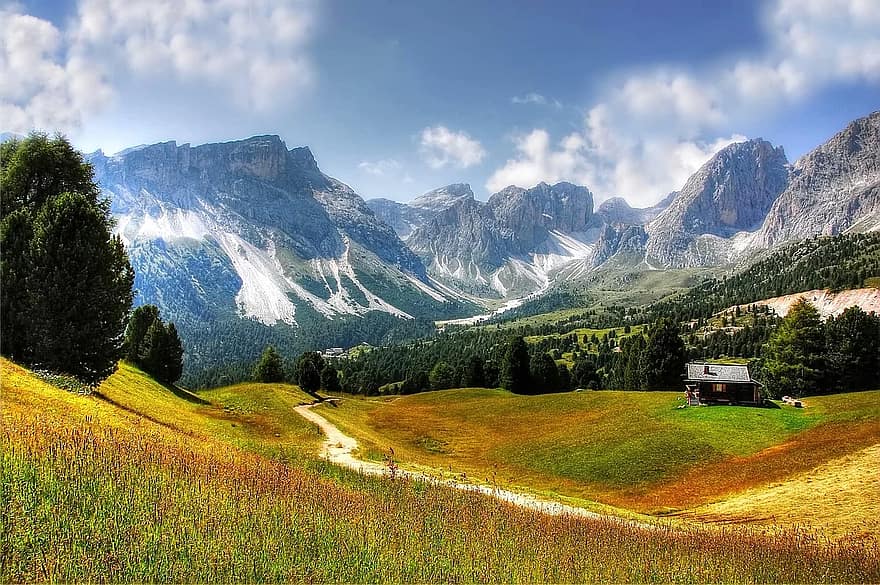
(652, 129)
(536, 99)
(42, 85)
(254, 51)
(381, 167)
(441, 147)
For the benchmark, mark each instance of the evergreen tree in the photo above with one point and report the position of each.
(67, 290)
(564, 378)
(794, 353)
(140, 320)
(475, 376)
(584, 374)
(330, 380)
(545, 374)
(308, 371)
(174, 355)
(154, 351)
(515, 375)
(664, 357)
(442, 376)
(852, 342)
(269, 368)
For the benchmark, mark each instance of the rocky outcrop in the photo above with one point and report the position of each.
(286, 239)
(620, 238)
(617, 211)
(832, 189)
(730, 193)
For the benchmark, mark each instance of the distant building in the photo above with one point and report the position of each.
(332, 352)
(721, 384)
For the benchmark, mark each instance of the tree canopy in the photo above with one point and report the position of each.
(67, 282)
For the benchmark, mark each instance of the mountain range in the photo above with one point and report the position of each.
(253, 232)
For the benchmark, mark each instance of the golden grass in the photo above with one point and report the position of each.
(626, 449)
(95, 492)
(842, 496)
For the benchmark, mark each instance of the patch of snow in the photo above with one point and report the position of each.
(431, 292)
(262, 295)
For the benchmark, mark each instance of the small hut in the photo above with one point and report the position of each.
(721, 384)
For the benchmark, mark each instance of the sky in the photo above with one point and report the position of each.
(398, 97)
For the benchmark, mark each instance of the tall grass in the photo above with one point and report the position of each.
(87, 502)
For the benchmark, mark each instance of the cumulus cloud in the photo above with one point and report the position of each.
(42, 84)
(535, 99)
(381, 167)
(652, 129)
(254, 51)
(441, 147)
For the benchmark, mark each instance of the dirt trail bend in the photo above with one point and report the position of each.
(339, 448)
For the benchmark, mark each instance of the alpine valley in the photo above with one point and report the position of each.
(247, 243)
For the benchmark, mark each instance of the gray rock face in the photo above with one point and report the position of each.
(619, 238)
(730, 193)
(834, 188)
(617, 211)
(464, 241)
(400, 216)
(255, 229)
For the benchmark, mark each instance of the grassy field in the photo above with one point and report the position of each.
(634, 450)
(159, 486)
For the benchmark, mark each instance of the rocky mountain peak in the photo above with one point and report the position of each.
(731, 192)
(833, 187)
(443, 198)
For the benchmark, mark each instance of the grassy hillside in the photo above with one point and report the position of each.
(631, 449)
(159, 490)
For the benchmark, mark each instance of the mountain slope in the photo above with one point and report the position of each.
(250, 231)
(834, 188)
(730, 193)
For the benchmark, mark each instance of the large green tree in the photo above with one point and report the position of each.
(515, 374)
(793, 356)
(270, 367)
(67, 282)
(663, 358)
(852, 349)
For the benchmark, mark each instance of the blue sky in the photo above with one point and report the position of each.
(399, 97)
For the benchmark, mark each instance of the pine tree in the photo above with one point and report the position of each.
(308, 371)
(442, 376)
(794, 361)
(81, 289)
(174, 356)
(852, 345)
(663, 359)
(330, 380)
(154, 350)
(140, 320)
(270, 368)
(545, 374)
(66, 278)
(515, 375)
(475, 376)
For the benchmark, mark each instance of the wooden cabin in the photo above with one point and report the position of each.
(721, 384)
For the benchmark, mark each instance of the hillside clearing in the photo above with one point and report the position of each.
(633, 450)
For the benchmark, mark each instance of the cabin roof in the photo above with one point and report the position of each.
(702, 372)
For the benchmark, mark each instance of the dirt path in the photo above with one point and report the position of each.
(339, 448)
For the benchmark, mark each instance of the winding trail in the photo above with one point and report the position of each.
(339, 448)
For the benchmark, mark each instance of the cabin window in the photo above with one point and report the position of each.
(717, 388)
